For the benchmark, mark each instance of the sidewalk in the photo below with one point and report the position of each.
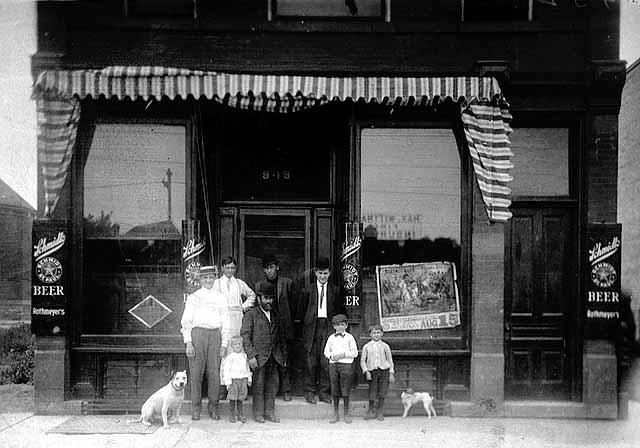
(18, 430)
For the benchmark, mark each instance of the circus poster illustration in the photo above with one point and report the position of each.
(418, 296)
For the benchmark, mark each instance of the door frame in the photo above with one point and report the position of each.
(572, 322)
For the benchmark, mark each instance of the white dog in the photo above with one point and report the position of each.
(165, 402)
(409, 398)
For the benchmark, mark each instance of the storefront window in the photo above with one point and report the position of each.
(411, 213)
(134, 204)
(410, 196)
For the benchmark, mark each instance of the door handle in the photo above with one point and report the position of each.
(507, 327)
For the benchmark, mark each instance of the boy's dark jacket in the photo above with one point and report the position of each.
(262, 338)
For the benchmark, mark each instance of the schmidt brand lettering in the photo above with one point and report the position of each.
(44, 247)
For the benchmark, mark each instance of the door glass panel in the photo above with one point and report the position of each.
(540, 162)
(280, 235)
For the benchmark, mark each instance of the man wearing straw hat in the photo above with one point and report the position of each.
(205, 331)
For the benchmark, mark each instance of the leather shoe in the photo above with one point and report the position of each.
(287, 396)
(347, 418)
(259, 419)
(214, 415)
(324, 399)
(272, 418)
(310, 398)
(195, 415)
(334, 418)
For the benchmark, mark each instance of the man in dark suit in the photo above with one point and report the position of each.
(322, 302)
(284, 306)
(264, 344)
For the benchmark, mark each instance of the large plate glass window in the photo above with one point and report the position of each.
(411, 204)
(134, 204)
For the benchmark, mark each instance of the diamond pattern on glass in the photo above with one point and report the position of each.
(150, 311)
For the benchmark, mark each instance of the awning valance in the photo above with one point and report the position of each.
(485, 113)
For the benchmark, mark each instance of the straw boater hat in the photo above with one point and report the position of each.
(207, 270)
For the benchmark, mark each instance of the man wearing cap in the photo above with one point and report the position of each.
(264, 344)
(321, 302)
(282, 304)
(205, 331)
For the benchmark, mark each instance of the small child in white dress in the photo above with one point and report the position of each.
(236, 375)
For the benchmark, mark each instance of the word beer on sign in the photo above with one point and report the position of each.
(350, 262)
(49, 282)
(603, 260)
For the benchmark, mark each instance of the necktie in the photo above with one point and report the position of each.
(321, 295)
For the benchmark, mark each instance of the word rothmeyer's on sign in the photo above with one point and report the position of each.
(603, 280)
(49, 290)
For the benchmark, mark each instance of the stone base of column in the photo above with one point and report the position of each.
(599, 375)
(487, 384)
(51, 375)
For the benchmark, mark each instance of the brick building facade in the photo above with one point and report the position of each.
(274, 126)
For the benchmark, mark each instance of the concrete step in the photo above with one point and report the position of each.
(296, 408)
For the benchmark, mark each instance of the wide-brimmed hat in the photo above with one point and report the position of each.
(266, 289)
(322, 263)
(269, 259)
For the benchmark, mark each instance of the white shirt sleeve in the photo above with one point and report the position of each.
(328, 348)
(353, 348)
(187, 319)
(248, 292)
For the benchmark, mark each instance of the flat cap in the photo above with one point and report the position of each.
(339, 318)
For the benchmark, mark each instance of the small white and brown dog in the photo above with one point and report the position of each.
(409, 398)
(165, 402)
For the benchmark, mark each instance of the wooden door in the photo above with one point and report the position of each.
(540, 290)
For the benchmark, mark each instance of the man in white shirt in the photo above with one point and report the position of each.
(205, 331)
(237, 293)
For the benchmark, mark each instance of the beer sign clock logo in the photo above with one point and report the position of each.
(350, 276)
(603, 275)
(49, 270)
(191, 273)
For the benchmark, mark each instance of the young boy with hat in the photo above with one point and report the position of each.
(341, 349)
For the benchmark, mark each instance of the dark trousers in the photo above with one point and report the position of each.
(264, 389)
(341, 377)
(317, 377)
(285, 379)
(206, 344)
(379, 384)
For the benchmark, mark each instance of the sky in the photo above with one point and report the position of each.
(17, 110)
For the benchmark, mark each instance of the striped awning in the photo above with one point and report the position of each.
(485, 113)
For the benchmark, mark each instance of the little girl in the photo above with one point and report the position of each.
(235, 374)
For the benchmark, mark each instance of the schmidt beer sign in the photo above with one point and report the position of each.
(49, 287)
(603, 280)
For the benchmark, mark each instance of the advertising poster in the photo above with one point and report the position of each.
(603, 261)
(50, 274)
(418, 296)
